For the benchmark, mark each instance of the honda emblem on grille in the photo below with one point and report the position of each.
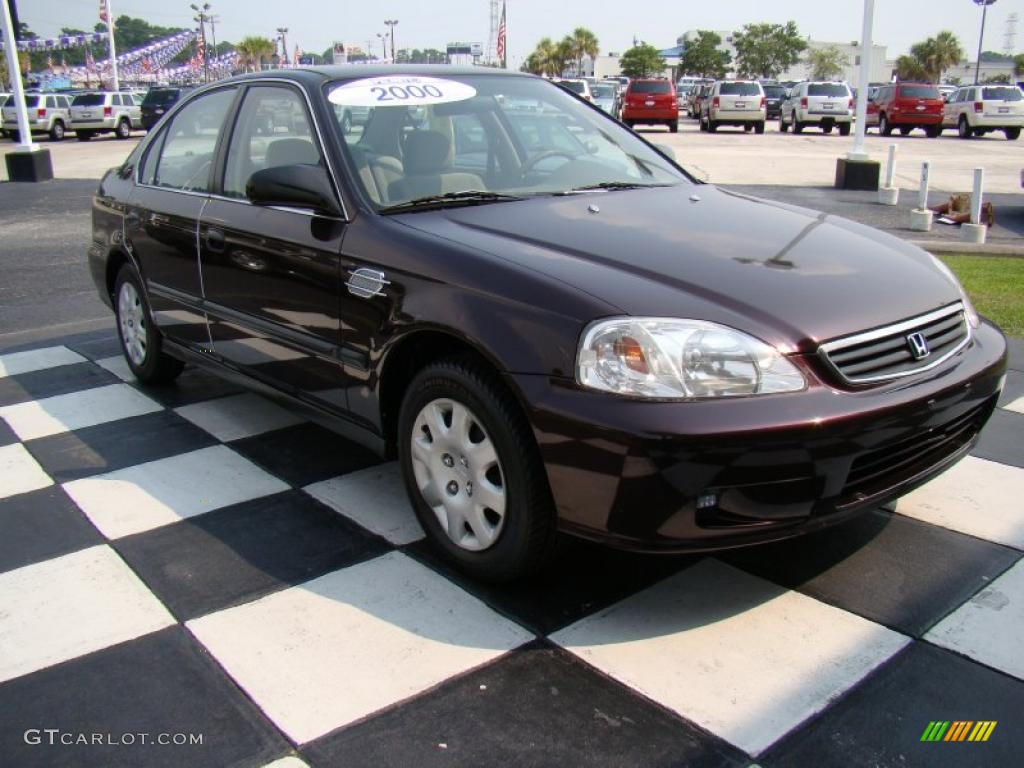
(918, 346)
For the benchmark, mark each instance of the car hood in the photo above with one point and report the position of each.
(792, 276)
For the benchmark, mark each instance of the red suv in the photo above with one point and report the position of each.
(906, 106)
(651, 102)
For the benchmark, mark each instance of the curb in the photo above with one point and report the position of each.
(974, 249)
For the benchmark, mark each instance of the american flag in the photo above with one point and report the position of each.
(501, 36)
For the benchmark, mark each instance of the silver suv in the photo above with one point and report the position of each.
(47, 113)
(818, 104)
(106, 112)
(978, 109)
(734, 102)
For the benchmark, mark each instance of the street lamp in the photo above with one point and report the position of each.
(202, 17)
(282, 31)
(390, 24)
(383, 42)
(981, 38)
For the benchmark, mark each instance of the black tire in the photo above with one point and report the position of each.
(528, 536)
(783, 126)
(1012, 134)
(156, 367)
(15, 136)
(712, 125)
(673, 127)
(798, 127)
(844, 129)
(933, 131)
(884, 129)
(826, 129)
(123, 129)
(759, 127)
(701, 125)
(83, 135)
(57, 131)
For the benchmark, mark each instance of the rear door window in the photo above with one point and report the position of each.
(651, 87)
(1003, 93)
(919, 92)
(740, 89)
(88, 100)
(832, 90)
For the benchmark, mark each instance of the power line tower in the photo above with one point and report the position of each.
(1010, 36)
(491, 53)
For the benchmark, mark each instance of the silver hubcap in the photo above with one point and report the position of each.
(458, 473)
(133, 325)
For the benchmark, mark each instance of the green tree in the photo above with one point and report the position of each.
(996, 57)
(703, 58)
(642, 61)
(996, 79)
(767, 50)
(908, 68)
(545, 59)
(826, 63)
(1018, 65)
(582, 42)
(253, 51)
(937, 54)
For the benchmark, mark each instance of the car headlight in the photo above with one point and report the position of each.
(666, 358)
(969, 311)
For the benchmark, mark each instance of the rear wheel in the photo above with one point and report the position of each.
(883, 126)
(759, 127)
(844, 129)
(57, 131)
(473, 472)
(712, 125)
(933, 131)
(673, 126)
(798, 127)
(963, 128)
(141, 342)
(1012, 134)
(123, 129)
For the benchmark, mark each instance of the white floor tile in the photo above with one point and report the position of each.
(69, 606)
(978, 497)
(19, 472)
(160, 492)
(353, 642)
(36, 360)
(376, 499)
(990, 627)
(53, 415)
(287, 762)
(1016, 405)
(238, 416)
(743, 658)
(118, 366)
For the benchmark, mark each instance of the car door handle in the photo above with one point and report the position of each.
(215, 239)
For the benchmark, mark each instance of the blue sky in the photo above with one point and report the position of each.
(314, 24)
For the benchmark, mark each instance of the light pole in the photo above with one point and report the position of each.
(384, 43)
(981, 38)
(390, 24)
(202, 17)
(282, 31)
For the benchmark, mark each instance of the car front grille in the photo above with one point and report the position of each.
(891, 352)
(882, 468)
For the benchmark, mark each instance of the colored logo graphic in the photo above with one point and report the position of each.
(958, 730)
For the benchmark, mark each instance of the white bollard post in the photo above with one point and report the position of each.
(921, 217)
(889, 194)
(975, 231)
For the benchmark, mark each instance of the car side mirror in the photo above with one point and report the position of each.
(294, 186)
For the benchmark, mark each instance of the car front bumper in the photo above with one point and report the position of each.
(676, 477)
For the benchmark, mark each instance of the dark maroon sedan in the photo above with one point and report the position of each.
(549, 323)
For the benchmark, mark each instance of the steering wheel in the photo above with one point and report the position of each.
(528, 165)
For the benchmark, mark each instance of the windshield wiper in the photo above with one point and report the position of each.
(611, 185)
(463, 197)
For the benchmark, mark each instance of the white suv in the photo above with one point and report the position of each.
(105, 112)
(820, 104)
(47, 113)
(734, 102)
(978, 109)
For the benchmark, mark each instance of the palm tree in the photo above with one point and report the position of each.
(937, 54)
(582, 42)
(909, 68)
(252, 51)
(564, 53)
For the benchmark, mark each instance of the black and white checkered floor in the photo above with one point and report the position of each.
(198, 560)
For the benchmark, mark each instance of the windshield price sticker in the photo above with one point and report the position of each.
(399, 92)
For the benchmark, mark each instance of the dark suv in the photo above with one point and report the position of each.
(774, 96)
(651, 102)
(906, 106)
(158, 100)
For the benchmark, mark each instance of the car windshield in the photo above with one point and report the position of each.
(740, 89)
(88, 100)
(512, 136)
(603, 91)
(919, 92)
(575, 86)
(160, 97)
(1006, 93)
(31, 100)
(657, 86)
(774, 91)
(827, 89)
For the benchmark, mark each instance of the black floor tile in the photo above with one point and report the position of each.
(162, 683)
(305, 454)
(7, 436)
(583, 578)
(48, 382)
(40, 525)
(194, 385)
(98, 346)
(881, 722)
(891, 569)
(534, 707)
(1014, 388)
(116, 445)
(238, 553)
(1001, 439)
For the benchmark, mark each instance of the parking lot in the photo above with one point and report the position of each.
(197, 560)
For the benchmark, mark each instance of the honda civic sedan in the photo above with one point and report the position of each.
(542, 316)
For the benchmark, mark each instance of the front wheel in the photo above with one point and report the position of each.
(759, 127)
(141, 342)
(933, 131)
(473, 472)
(57, 131)
(123, 130)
